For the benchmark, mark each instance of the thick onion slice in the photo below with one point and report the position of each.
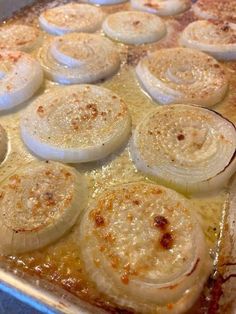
(72, 17)
(132, 27)
(77, 124)
(19, 37)
(217, 10)
(3, 143)
(79, 58)
(143, 247)
(38, 204)
(162, 7)
(213, 37)
(187, 147)
(20, 77)
(183, 75)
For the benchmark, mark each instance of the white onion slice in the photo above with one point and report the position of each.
(3, 143)
(72, 17)
(143, 247)
(77, 124)
(79, 58)
(162, 7)
(183, 75)
(38, 204)
(19, 37)
(213, 37)
(134, 28)
(187, 147)
(217, 9)
(20, 77)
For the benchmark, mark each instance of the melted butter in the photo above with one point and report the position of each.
(60, 262)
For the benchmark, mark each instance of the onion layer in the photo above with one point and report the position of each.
(213, 37)
(217, 9)
(143, 247)
(107, 2)
(3, 143)
(182, 75)
(133, 27)
(72, 17)
(187, 147)
(77, 124)
(38, 204)
(162, 7)
(79, 58)
(19, 37)
(20, 77)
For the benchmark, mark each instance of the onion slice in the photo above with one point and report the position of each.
(3, 143)
(213, 37)
(79, 58)
(134, 28)
(144, 248)
(72, 17)
(187, 147)
(77, 124)
(19, 37)
(162, 7)
(20, 77)
(38, 204)
(183, 75)
(217, 10)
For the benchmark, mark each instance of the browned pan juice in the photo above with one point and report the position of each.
(60, 262)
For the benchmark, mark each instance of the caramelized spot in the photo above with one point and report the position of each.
(48, 196)
(40, 110)
(135, 23)
(167, 241)
(136, 202)
(161, 222)
(180, 137)
(125, 279)
(99, 220)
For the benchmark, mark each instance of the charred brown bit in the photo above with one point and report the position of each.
(40, 110)
(93, 109)
(135, 23)
(167, 241)
(125, 279)
(48, 196)
(75, 123)
(99, 220)
(225, 27)
(136, 202)
(161, 222)
(180, 137)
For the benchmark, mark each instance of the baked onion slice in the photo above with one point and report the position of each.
(72, 17)
(77, 124)
(19, 37)
(20, 77)
(79, 58)
(3, 143)
(162, 7)
(38, 204)
(187, 147)
(213, 37)
(217, 10)
(183, 75)
(132, 27)
(143, 247)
